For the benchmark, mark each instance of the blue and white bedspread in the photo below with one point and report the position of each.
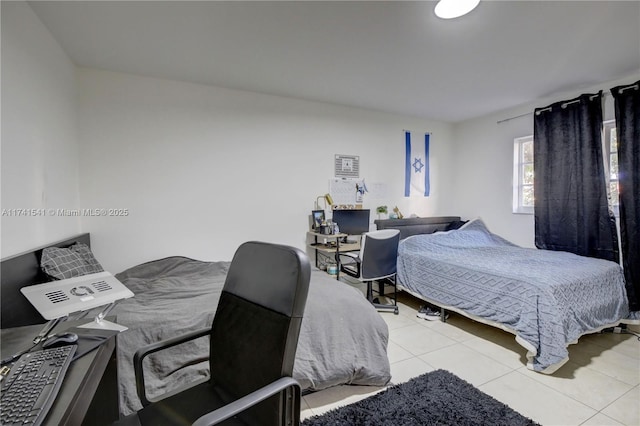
(547, 298)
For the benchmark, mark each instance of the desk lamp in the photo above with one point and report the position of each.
(328, 201)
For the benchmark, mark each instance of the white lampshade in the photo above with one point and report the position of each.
(448, 9)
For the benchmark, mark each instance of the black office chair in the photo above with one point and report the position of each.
(377, 261)
(253, 341)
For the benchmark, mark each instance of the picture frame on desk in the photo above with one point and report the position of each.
(318, 218)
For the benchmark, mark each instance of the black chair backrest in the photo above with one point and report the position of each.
(255, 330)
(379, 253)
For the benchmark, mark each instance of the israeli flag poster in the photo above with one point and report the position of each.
(416, 165)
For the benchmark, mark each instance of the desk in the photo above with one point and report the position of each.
(94, 374)
(327, 248)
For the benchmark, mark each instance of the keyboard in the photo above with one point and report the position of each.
(30, 388)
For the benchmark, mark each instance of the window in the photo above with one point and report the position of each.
(523, 175)
(523, 169)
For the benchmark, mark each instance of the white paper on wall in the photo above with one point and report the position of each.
(377, 190)
(343, 191)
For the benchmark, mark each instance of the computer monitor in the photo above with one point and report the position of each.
(352, 222)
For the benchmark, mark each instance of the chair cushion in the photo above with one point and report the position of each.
(251, 346)
(185, 408)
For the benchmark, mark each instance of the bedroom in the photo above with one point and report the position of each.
(81, 137)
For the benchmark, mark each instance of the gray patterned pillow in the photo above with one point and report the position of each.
(61, 263)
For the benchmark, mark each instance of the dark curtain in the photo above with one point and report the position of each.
(627, 106)
(572, 210)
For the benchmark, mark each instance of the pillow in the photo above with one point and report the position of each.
(456, 224)
(89, 259)
(61, 263)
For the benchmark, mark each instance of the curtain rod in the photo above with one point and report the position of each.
(513, 118)
(563, 105)
(631, 86)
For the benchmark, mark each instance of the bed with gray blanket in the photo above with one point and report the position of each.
(343, 340)
(548, 299)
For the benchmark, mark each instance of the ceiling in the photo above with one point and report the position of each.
(391, 56)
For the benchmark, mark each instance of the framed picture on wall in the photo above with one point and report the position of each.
(318, 218)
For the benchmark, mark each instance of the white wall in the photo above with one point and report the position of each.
(39, 150)
(484, 164)
(202, 169)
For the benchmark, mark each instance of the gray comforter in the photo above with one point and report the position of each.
(548, 299)
(343, 340)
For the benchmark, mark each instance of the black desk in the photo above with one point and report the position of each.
(89, 392)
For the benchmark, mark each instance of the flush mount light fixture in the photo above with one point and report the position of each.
(448, 9)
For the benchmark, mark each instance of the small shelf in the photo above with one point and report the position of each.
(328, 246)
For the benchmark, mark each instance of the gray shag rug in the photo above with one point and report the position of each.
(436, 398)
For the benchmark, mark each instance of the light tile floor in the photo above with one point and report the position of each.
(600, 385)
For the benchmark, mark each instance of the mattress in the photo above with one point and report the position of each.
(343, 340)
(547, 298)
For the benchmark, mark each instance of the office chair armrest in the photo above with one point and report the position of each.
(250, 400)
(346, 263)
(145, 351)
(352, 257)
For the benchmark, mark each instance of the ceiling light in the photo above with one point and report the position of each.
(448, 9)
